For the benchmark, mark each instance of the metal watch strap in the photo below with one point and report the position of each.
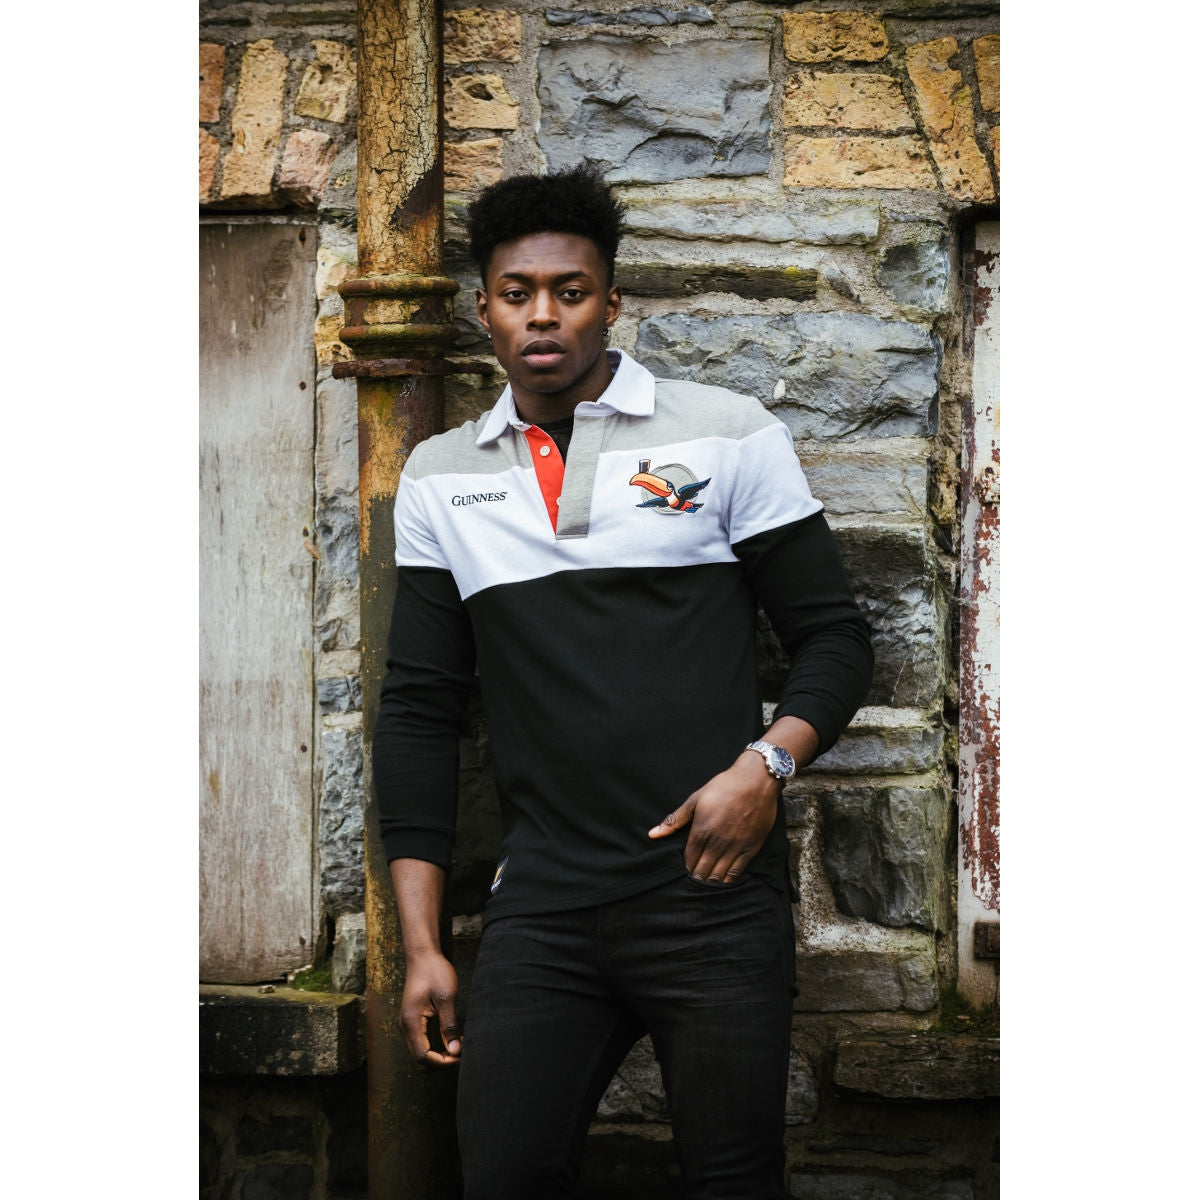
(768, 750)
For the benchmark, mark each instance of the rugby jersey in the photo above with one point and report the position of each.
(608, 604)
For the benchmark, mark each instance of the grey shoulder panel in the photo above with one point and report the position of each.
(711, 411)
(686, 411)
(454, 452)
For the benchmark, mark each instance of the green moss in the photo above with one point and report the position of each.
(955, 1015)
(951, 746)
(315, 979)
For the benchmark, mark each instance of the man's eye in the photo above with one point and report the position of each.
(573, 294)
(513, 295)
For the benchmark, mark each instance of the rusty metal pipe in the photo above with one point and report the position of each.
(399, 323)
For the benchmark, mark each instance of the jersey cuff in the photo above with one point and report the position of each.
(429, 845)
(826, 722)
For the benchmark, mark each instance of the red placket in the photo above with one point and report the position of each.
(549, 467)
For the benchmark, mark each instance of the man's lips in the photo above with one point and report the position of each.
(543, 353)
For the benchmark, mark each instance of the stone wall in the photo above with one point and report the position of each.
(265, 1138)
(802, 180)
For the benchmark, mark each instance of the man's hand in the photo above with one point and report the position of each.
(430, 989)
(733, 812)
(730, 817)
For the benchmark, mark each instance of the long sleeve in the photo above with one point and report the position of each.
(781, 536)
(422, 707)
(423, 700)
(798, 579)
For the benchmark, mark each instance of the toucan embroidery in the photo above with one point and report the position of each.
(672, 487)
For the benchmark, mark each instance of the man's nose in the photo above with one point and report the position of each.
(542, 313)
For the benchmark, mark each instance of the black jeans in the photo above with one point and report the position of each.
(559, 998)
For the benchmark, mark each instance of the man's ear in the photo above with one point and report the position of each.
(481, 307)
(613, 307)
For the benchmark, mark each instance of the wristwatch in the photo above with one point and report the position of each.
(780, 764)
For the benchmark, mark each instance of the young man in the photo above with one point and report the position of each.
(596, 546)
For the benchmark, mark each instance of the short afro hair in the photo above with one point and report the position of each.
(573, 200)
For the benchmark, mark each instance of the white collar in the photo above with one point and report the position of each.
(630, 391)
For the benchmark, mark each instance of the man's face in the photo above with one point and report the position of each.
(547, 304)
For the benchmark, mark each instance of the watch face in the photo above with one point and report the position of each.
(779, 762)
(782, 761)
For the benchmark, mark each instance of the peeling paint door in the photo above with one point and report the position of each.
(979, 661)
(257, 303)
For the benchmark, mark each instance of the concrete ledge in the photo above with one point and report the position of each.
(919, 1066)
(285, 1032)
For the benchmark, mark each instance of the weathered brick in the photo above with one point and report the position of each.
(947, 109)
(844, 375)
(995, 133)
(817, 221)
(339, 694)
(916, 273)
(212, 76)
(987, 70)
(692, 279)
(649, 112)
(892, 573)
(328, 83)
(337, 484)
(470, 166)
(845, 101)
(936, 83)
(694, 14)
(349, 965)
(893, 576)
(884, 852)
(636, 1091)
(919, 1066)
(842, 36)
(468, 400)
(856, 162)
(278, 1135)
(341, 192)
(866, 980)
(332, 268)
(304, 168)
(803, 1092)
(882, 741)
(889, 476)
(763, 22)
(478, 34)
(480, 102)
(257, 122)
(341, 822)
(210, 152)
(835, 1183)
(907, 618)
(325, 339)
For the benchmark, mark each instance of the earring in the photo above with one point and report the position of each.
(607, 331)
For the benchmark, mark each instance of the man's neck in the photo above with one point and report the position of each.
(535, 407)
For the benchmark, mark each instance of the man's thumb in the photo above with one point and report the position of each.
(676, 820)
(448, 1021)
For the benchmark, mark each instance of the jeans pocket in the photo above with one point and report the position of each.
(718, 885)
